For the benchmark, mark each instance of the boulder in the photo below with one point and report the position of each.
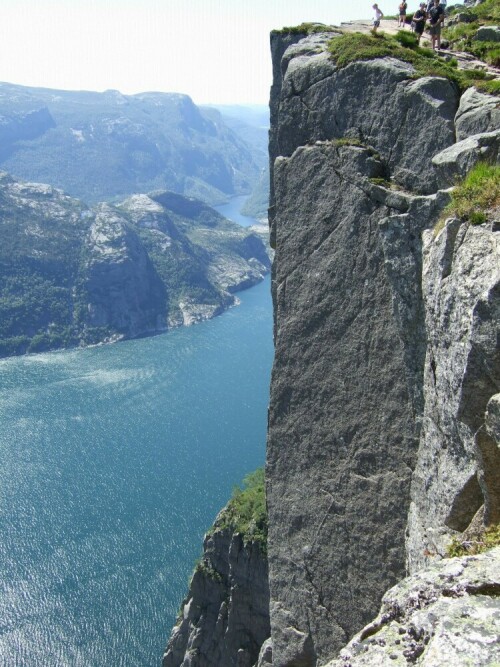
(477, 113)
(488, 33)
(456, 161)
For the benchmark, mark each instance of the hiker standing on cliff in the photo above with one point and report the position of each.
(436, 18)
(377, 15)
(402, 14)
(419, 20)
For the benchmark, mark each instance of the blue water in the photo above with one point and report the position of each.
(231, 211)
(114, 461)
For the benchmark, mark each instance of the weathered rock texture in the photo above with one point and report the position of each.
(448, 614)
(371, 309)
(225, 618)
(461, 286)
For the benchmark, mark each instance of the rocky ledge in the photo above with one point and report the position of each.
(447, 614)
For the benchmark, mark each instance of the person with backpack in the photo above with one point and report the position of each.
(419, 19)
(436, 18)
(402, 14)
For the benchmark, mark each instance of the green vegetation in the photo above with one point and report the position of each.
(246, 512)
(478, 193)
(358, 46)
(52, 279)
(305, 29)
(351, 141)
(461, 35)
(460, 546)
(351, 47)
(347, 141)
(204, 567)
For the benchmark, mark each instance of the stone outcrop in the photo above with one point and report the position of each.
(477, 113)
(461, 288)
(447, 614)
(225, 617)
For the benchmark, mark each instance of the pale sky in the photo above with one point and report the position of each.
(216, 51)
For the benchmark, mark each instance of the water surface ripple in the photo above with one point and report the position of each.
(115, 460)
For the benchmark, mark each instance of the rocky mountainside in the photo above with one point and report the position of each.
(104, 146)
(383, 441)
(225, 617)
(72, 275)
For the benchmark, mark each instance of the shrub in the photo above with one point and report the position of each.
(246, 512)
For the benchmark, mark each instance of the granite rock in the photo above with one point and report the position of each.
(338, 482)
(385, 336)
(454, 163)
(477, 113)
(318, 101)
(224, 620)
(488, 33)
(447, 614)
(456, 471)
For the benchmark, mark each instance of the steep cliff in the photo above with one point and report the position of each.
(384, 420)
(376, 317)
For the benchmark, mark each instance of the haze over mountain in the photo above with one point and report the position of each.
(103, 146)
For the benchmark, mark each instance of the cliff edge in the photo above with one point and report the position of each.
(384, 420)
(386, 332)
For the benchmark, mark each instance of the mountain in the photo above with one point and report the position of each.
(72, 275)
(103, 146)
(251, 124)
(383, 451)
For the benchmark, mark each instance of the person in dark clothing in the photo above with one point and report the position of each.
(419, 20)
(436, 18)
(402, 14)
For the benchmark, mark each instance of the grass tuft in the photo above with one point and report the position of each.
(351, 47)
(358, 46)
(304, 29)
(476, 194)
(463, 547)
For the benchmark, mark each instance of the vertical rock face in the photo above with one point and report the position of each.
(384, 419)
(386, 340)
(461, 286)
(342, 434)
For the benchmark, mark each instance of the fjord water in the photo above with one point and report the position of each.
(232, 211)
(114, 461)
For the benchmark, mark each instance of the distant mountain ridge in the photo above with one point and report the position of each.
(74, 275)
(104, 146)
